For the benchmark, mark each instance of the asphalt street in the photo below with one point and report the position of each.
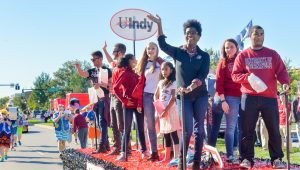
(37, 152)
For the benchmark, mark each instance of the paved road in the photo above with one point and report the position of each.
(38, 152)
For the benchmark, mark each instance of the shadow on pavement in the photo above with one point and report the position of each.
(38, 150)
(39, 162)
(30, 157)
(41, 146)
(29, 132)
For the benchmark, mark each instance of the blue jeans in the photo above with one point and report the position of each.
(102, 123)
(128, 115)
(231, 122)
(194, 112)
(149, 112)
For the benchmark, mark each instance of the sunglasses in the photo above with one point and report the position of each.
(191, 33)
(94, 59)
(115, 51)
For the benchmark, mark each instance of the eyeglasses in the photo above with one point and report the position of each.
(115, 51)
(93, 59)
(191, 33)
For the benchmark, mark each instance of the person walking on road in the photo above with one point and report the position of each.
(61, 121)
(5, 134)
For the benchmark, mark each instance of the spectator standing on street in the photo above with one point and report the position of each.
(282, 120)
(21, 119)
(257, 69)
(296, 112)
(5, 134)
(80, 125)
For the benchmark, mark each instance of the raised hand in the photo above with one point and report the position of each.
(105, 46)
(156, 19)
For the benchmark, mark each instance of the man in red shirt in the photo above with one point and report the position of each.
(282, 119)
(266, 64)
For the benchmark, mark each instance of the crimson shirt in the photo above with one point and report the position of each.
(79, 122)
(224, 82)
(264, 63)
(128, 81)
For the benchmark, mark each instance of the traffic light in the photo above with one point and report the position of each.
(17, 87)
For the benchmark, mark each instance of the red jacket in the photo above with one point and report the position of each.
(116, 72)
(128, 81)
(224, 82)
(266, 64)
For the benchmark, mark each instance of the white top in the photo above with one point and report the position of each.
(151, 78)
(165, 92)
(170, 122)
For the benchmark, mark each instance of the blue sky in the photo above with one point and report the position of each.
(39, 36)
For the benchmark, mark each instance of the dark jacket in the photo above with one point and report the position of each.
(188, 68)
(295, 109)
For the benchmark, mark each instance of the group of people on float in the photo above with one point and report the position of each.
(133, 86)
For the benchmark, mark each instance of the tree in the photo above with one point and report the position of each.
(68, 80)
(19, 101)
(40, 95)
(3, 102)
(214, 58)
(294, 75)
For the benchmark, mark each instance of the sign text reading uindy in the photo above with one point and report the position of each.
(133, 24)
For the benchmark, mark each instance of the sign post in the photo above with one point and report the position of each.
(133, 25)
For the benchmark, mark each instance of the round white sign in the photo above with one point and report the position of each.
(133, 24)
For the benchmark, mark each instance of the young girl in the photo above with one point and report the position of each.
(61, 121)
(149, 68)
(169, 118)
(5, 134)
(131, 105)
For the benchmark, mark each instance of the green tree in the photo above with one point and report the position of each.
(40, 95)
(3, 102)
(294, 75)
(68, 80)
(214, 58)
(19, 101)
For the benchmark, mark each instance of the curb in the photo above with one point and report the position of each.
(44, 126)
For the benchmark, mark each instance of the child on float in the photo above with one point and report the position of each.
(169, 117)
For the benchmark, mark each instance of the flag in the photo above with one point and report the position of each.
(243, 35)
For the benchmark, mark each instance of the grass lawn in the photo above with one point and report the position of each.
(259, 153)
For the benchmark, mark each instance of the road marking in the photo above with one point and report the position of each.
(41, 153)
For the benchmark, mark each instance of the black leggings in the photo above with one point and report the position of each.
(168, 137)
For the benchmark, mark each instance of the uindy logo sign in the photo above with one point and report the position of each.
(133, 24)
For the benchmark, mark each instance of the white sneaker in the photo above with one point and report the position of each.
(121, 158)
